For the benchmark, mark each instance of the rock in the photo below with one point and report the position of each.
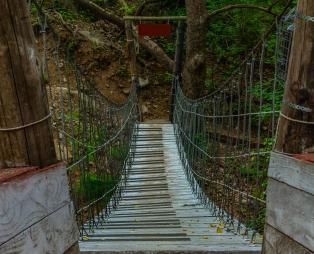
(143, 82)
(107, 85)
(126, 91)
(145, 109)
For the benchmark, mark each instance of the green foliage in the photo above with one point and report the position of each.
(231, 35)
(167, 45)
(258, 222)
(270, 96)
(128, 9)
(122, 72)
(119, 153)
(251, 172)
(69, 14)
(91, 186)
(46, 78)
(177, 11)
(167, 77)
(33, 9)
(200, 140)
(74, 115)
(210, 82)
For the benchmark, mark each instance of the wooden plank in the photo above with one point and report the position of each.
(276, 242)
(55, 233)
(291, 211)
(166, 248)
(28, 200)
(160, 208)
(296, 173)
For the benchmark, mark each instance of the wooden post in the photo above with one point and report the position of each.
(290, 192)
(131, 49)
(37, 215)
(23, 99)
(298, 102)
(178, 63)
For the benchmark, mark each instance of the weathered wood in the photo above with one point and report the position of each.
(290, 211)
(294, 137)
(169, 219)
(296, 173)
(278, 243)
(290, 200)
(131, 49)
(22, 96)
(155, 18)
(109, 15)
(178, 63)
(55, 233)
(75, 249)
(25, 200)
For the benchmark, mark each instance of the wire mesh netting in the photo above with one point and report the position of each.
(284, 41)
(225, 139)
(92, 135)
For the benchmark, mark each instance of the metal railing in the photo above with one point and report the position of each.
(92, 135)
(225, 139)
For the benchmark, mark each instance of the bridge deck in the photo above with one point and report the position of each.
(158, 212)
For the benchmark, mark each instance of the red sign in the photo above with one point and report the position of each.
(153, 30)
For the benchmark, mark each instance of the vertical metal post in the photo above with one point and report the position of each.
(178, 63)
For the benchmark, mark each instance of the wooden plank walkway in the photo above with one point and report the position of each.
(158, 212)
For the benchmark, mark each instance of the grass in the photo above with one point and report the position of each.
(92, 186)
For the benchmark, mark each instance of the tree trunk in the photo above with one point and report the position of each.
(294, 136)
(194, 73)
(156, 51)
(102, 13)
(23, 99)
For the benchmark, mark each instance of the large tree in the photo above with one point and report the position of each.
(194, 72)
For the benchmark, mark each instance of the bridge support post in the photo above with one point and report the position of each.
(290, 193)
(178, 63)
(36, 214)
(131, 49)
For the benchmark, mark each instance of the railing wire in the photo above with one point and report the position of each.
(92, 135)
(225, 139)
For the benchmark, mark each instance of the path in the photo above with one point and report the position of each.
(158, 212)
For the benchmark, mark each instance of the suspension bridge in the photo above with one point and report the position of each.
(158, 211)
(194, 184)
